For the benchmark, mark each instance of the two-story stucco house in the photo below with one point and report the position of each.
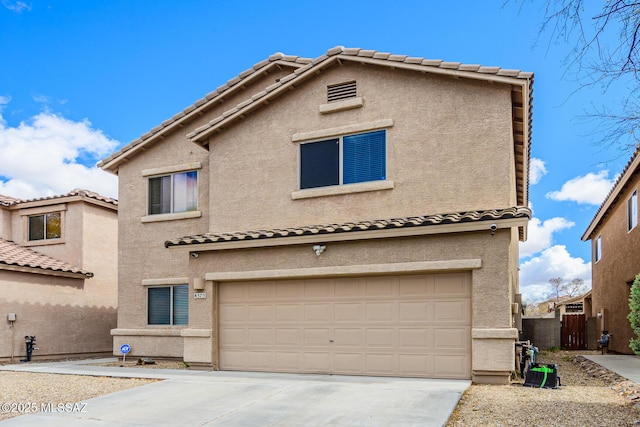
(58, 274)
(615, 243)
(355, 213)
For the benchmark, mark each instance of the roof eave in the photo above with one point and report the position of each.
(45, 272)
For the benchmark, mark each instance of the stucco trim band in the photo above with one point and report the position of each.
(347, 270)
(147, 332)
(494, 333)
(172, 169)
(171, 216)
(195, 333)
(342, 130)
(347, 104)
(165, 281)
(335, 190)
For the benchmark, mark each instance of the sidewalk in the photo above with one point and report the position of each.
(625, 365)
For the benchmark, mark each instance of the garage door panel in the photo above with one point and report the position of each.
(347, 337)
(380, 311)
(454, 339)
(409, 325)
(415, 311)
(348, 312)
(451, 366)
(451, 311)
(380, 337)
(260, 336)
(318, 312)
(289, 312)
(415, 338)
(288, 337)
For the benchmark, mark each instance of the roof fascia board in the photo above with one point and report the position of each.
(63, 200)
(608, 203)
(111, 165)
(44, 272)
(357, 235)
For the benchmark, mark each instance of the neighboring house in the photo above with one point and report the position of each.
(615, 242)
(58, 274)
(580, 304)
(356, 213)
(547, 307)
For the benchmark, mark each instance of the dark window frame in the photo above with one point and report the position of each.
(49, 230)
(162, 190)
(173, 307)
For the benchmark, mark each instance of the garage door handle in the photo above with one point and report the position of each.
(330, 340)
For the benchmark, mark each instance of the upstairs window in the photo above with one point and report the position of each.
(632, 211)
(168, 305)
(173, 193)
(598, 248)
(347, 159)
(45, 226)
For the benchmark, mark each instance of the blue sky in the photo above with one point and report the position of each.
(79, 79)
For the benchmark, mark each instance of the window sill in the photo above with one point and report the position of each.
(347, 104)
(44, 242)
(342, 189)
(171, 216)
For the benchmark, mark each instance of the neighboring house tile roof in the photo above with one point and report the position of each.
(631, 168)
(78, 192)
(354, 227)
(203, 104)
(14, 255)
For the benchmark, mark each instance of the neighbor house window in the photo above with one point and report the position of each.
(598, 248)
(45, 226)
(632, 211)
(347, 159)
(173, 193)
(168, 305)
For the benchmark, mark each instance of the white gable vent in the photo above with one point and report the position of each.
(341, 91)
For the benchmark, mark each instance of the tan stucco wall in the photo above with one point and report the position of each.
(254, 165)
(67, 316)
(617, 268)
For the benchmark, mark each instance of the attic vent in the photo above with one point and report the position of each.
(341, 91)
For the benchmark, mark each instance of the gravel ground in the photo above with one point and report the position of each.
(582, 400)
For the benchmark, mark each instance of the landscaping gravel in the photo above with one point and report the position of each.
(589, 395)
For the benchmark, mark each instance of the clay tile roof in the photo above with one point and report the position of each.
(277, 58)
(8, 200)
(12, 254)
(77, 192)
(354, 227)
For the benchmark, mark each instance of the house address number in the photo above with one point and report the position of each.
(199, 295)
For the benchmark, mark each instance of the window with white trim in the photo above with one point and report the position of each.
(598, 248)
(347, 159)
(173, 193)
(168, 305)
(45, 226)
(632, 211)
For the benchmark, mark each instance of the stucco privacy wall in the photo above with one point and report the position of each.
(618, 267)
(68, 316)
(258, 162)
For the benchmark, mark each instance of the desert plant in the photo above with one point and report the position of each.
(634, 314)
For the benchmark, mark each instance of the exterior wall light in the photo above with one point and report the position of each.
(318, 249)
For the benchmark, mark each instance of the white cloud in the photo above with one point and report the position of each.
(553, 262)
(537, 170)
(589, 189)
(16, 6)
(540, 234)
(45, 157)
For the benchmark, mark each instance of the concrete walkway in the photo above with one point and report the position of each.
(196, 398)
(627, 366)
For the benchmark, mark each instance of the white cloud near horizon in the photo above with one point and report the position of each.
(16, 6)
(590, 189)
(44, 156)
(555, 261)
(540, 234)
(537, 170)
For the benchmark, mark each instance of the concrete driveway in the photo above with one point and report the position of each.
(197, 398)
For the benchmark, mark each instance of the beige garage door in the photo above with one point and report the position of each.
(408, 325)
